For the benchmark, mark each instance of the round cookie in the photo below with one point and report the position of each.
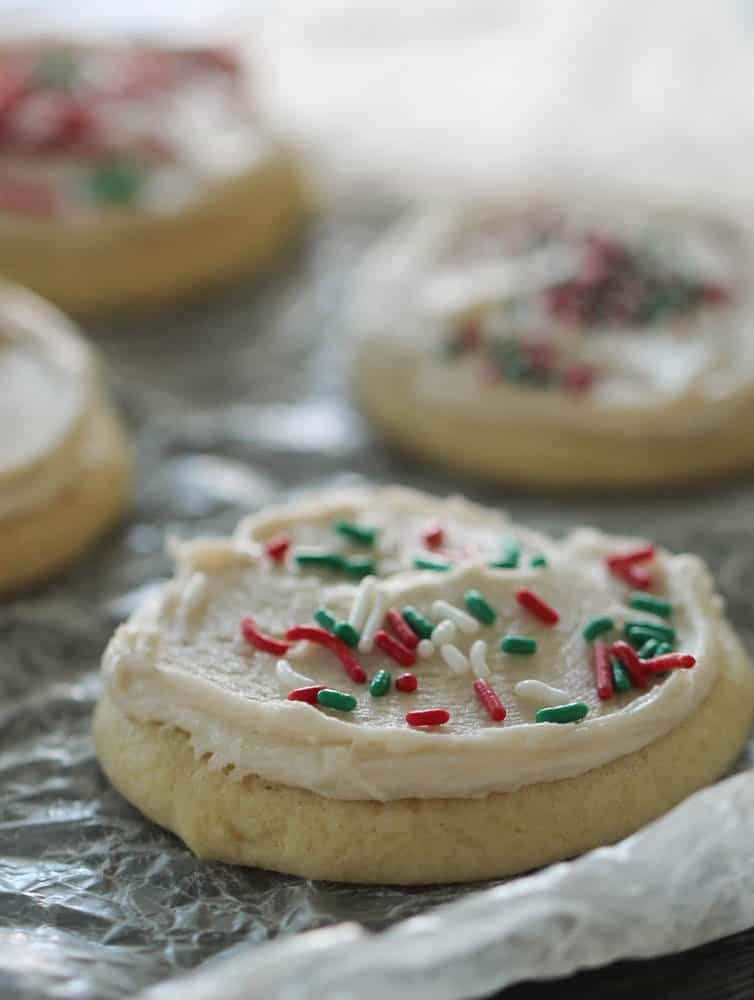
(65, 465)
(380, 686)
(593, 347)
(131, 175)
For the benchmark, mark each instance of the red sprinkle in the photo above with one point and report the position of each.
(433, 537)
(394, 619)
(670, 661)
(257, 639)
(277, 547)
(217, 57)
(307, 694)
(13, 86)
(490, 700)
(578, 378)
(32, 197)
(631, 662)
(636, 576)
(428, 717)
(313, 634)
(715, 293)
(406, 683)
(635, 555)
(394, 649)
(539, 608)
(625, 565)
(603, 675)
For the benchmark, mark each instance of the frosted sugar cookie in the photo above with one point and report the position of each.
(64, 462)
(132, 174)
(588, 347)
(380, 686)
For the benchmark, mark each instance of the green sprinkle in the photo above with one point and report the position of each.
(642, 631)
(655, 605)
(116, 183)
(325, 619)
(509, 558)
(597, 626)
(522, 645)
(379, 684)
(663, 648)
(356, 532)
(650, 648)
(347, 633)
(416, 621)
(621, 679)
(433, 564)
(479, 607)
(537, 561)
(56, 70)
(563, 713)
(359, 567)
(325, 560)
(336, 699)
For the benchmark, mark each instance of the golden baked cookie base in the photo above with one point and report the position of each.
(44, 540)
(132, 260)
(414, 841)
(550, 457)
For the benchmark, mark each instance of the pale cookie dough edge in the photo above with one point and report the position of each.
(141, 259)
(414, 841)
(545, 455)
(45, 540)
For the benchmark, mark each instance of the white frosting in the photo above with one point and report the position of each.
(674, 378)
(182, 118)
(230, 702)
(48, 394)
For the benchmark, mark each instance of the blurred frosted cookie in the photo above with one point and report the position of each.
(380, 686)
(556, 348)
(64, 462)
(132, 175)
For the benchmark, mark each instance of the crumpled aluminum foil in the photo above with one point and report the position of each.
(232, 403)
(567, 917)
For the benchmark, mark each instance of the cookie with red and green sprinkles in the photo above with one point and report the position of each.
(132, 172)
(560, 344)
(380, 717)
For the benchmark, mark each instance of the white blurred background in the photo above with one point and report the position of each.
(437, 95)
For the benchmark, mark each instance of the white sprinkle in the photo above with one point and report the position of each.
(289, 679)
(541, 693)
(196, 592)
(444, 633)
(193, 600)
(459, 617)
(361, 603)
(166, 602)
(454, 659)
(425, 649)
(478, 657)
(373, 622)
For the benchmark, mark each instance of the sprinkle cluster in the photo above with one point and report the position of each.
(624, 655)
(66, 102)
(611, 284)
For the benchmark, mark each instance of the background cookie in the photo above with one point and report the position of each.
(131, 175)
(65, 467)
(561, 347)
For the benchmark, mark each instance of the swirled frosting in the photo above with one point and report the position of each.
(181, 660)
(89, 128)
(616, 319)
(48, 395)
